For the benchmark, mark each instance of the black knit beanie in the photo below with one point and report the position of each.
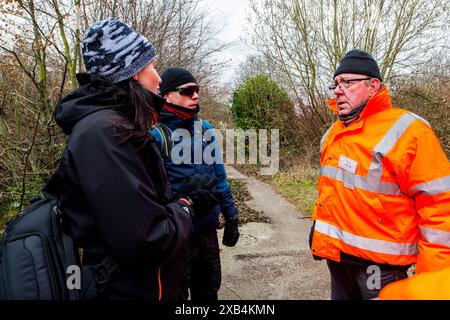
(360, 62)
(174, 77)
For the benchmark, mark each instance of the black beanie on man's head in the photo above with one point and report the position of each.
(174, 77)
(360, 62)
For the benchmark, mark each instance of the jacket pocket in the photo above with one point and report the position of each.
(384, 219)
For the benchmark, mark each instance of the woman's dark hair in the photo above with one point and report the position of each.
(136, 110)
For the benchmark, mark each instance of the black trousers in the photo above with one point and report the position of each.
(202, 275)
(355, 282)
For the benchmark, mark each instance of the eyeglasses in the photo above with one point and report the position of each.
(187, 91)
(346, 83)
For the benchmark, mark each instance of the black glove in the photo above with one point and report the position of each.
(231, 232)
(202, 190)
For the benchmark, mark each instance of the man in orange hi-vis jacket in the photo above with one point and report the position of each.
(384, 188)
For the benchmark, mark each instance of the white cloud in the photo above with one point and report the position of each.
(230, 16)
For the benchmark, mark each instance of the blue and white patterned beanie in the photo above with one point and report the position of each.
(114, 51)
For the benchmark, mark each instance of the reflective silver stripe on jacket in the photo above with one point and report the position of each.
(373, 181)
(380, 246)
(364, 183)
(435, 236)
(432, 188)
(419, 118)
(387, 143)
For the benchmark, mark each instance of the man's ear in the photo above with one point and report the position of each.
(375, 86)
(167, 97)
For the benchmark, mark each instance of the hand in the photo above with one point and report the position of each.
(231, 232)
(202, 190)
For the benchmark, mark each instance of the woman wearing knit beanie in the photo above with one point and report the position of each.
(111, 181)
(203, 272)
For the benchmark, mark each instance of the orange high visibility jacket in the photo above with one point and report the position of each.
(384, 190)
(425, 286)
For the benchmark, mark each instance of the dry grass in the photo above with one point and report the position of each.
(241, 195)
(298, 184)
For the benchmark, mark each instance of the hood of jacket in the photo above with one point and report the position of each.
(94, 94)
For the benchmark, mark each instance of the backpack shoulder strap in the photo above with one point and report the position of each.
(204, 127)
(166, 142)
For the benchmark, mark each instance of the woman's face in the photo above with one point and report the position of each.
(149, 77)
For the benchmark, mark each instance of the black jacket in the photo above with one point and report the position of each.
(176, 172)
(114, 197)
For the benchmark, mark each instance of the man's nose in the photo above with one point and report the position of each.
(338, 90)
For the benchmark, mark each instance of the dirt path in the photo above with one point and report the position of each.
(272, 261)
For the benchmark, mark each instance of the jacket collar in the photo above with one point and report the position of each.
(173, 121)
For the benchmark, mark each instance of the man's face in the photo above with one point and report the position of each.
(349, 94)
(184, 98)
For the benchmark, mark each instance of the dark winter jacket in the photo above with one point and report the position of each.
(177, 172)
(114, 196)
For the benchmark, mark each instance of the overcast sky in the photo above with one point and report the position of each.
(230, 15)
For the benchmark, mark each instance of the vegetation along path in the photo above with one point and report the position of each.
(272, 260)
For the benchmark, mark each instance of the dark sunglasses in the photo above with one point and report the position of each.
(187, 91)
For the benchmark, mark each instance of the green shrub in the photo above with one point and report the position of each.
(260, 103)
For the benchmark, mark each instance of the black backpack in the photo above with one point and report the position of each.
(39, 261)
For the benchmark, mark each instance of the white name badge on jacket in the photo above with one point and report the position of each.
(347, 164)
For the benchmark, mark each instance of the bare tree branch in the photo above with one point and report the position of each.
(303, 40)
(21, 64)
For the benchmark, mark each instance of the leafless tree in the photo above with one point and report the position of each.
(179, 29)
(40, 56)
(305, 39)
